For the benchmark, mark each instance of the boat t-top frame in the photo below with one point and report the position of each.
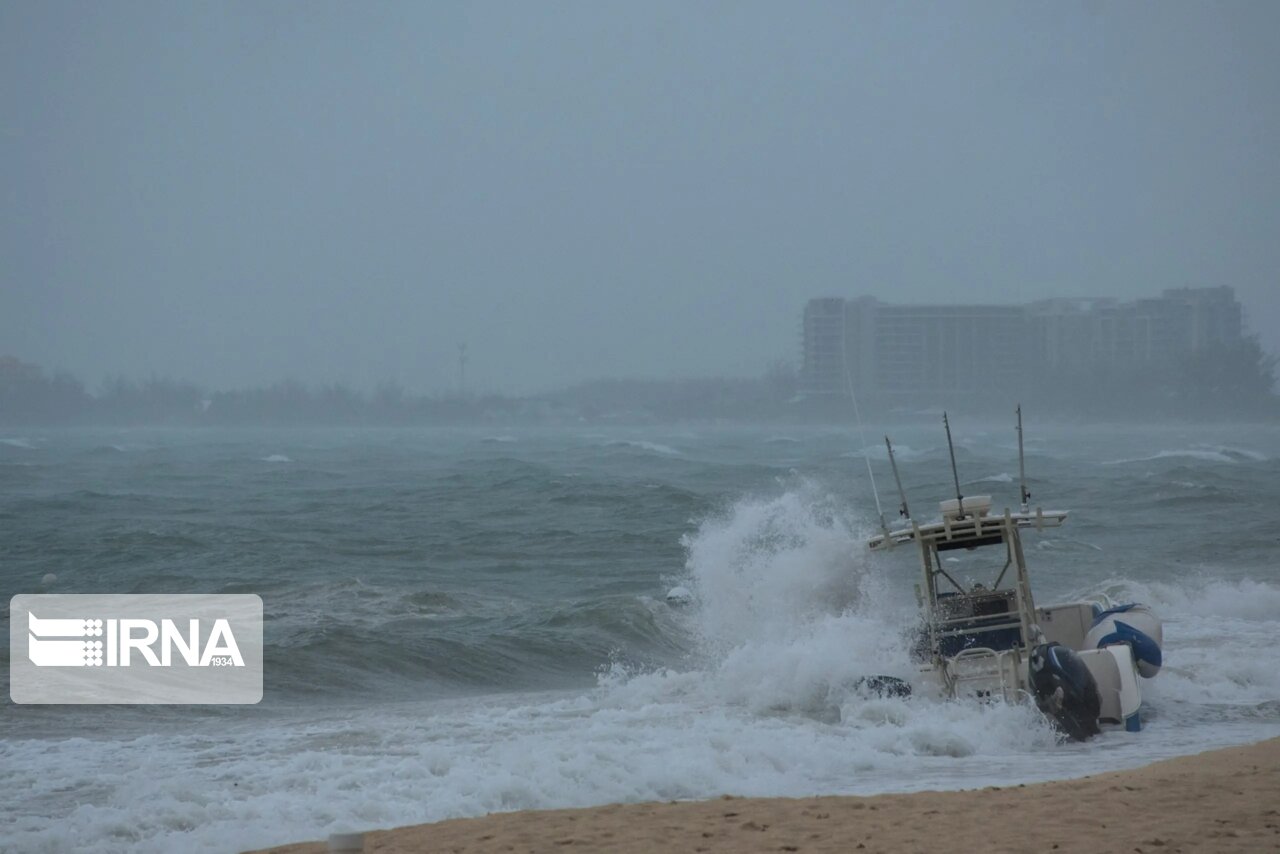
(1080, 665)
(964, 618)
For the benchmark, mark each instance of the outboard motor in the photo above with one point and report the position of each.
(1065, 690)
(1134, 625)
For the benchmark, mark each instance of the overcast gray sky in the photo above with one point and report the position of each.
(240, 192)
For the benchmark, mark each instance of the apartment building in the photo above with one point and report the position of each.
(939, 351)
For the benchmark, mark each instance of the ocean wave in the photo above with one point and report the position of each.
(880, 452)
(1241, 453)
(108, 450)
(1064, 544)
(276, 458)
(652, 447)
(1189, 453)
(412, 608)
(1002, 477)
(351, 637)
(1211, 454)
(1242, 599)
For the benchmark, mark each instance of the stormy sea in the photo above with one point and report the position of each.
(462, 621)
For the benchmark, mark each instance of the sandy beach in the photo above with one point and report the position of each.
(1221, 801)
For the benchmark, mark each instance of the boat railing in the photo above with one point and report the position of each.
(976, 613)
(954, 635)
(985, 669)
(970, 626)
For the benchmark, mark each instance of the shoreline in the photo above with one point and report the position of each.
(1223, 800)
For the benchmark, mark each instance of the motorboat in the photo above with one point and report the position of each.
(982, 635)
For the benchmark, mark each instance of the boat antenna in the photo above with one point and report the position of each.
(952, 451)
(1022, 465)
(862, 436)
(902, 510)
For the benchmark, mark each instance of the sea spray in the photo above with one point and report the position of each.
(768, 565)
(788, 611)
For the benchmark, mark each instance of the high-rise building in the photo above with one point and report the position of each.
(823, 331)
(1213, 315)
(1079, 332)
(939, 351)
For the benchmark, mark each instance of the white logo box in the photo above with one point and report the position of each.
(134, 649)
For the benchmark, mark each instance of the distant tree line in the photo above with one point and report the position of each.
(29, 395)
(1236, 381)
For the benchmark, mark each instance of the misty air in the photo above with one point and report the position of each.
(726, 427)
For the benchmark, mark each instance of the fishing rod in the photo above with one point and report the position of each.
(1022, 466)
(903, 511)
(954, 474)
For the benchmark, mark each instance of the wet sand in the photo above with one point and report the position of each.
(1220, 801)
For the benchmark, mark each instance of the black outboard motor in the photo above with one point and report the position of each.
(1065, 690)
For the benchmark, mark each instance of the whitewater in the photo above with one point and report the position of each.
(467, 621)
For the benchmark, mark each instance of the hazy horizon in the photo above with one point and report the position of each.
(236, 194)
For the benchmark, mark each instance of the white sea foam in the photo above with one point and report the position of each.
(277, 458)
(19, 442)
(277, 783)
